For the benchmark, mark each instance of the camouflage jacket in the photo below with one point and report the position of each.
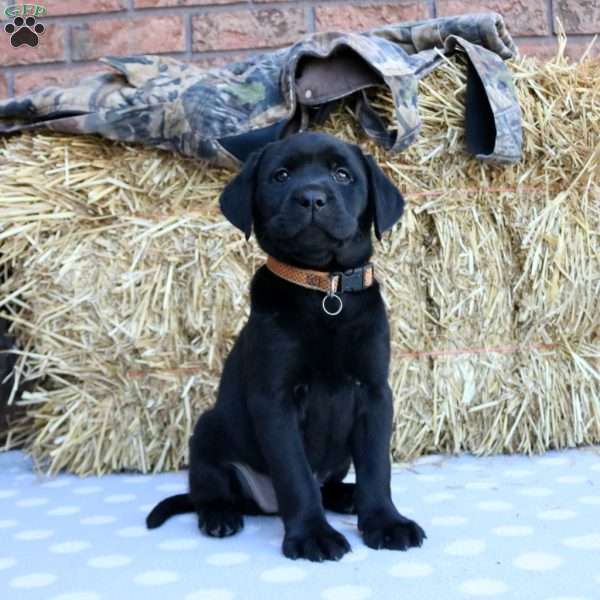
(223, 114)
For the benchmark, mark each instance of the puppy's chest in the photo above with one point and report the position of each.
(328, 391)
(333, 358)
(326, 414)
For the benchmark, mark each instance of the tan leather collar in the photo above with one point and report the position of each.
(352, 280)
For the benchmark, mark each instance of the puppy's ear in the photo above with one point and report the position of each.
(385, 199)
(237, 198)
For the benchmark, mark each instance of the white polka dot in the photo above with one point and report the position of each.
(283, 575)
(410, 569)
(33, 534)
(518, 473)
(7, 562)
(536, 492)
(429, 459)
(584, 542)
(537, 561)
(119, 498)
(553, 461)
(179, 544)
(481, 485)
(86, 490)
(131, 532)
(34, 580)
(556, 514)
(590, 500)
(483, 587)
(513, 530)
(8, 523)
(31, 502)
(571, 479)
(63, 511)
(211, 594)
(156, 577)
(7, 494)
(69, 547)
(225, 559)
(109, 561)
(433, 478)
(449, 521)
(56, 483)
(347, 592)
(98, 520)
(494, 506)
(438, 497)
(172, 488)
(465, 547)
(77, 596)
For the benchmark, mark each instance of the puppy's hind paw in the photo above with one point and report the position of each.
(219, 521)
(325, 544)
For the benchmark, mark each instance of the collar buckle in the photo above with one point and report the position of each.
(351, 280)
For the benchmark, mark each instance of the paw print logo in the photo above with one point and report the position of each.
(24, 31)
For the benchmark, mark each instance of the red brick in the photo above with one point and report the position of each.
(578, 16)
(219, 60)
(248, 29)
(128, 36)
(541, 48)
(45, 77)
(154, 3)
(3, 87)
(347, 17)
(546, 48)
(51, 48)
(79, 7)
(576, 48)
(523, 17)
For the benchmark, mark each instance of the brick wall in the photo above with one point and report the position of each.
(210, 32)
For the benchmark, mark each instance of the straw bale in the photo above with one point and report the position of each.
(128, 287)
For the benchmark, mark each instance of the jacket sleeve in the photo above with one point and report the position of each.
(483, 29)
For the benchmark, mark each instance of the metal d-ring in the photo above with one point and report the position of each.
(332, 313)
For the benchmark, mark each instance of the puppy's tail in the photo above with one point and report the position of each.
(167, 508)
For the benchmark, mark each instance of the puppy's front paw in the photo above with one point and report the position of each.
(398, 533)
(325, 543)
(219, 521)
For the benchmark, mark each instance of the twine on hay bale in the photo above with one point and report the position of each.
(128, 287)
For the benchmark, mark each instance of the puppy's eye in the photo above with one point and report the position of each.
(342, 175)
(281, 175)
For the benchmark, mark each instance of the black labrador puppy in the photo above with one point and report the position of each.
(304, 391)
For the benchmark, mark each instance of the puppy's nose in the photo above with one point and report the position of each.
(312, 198)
